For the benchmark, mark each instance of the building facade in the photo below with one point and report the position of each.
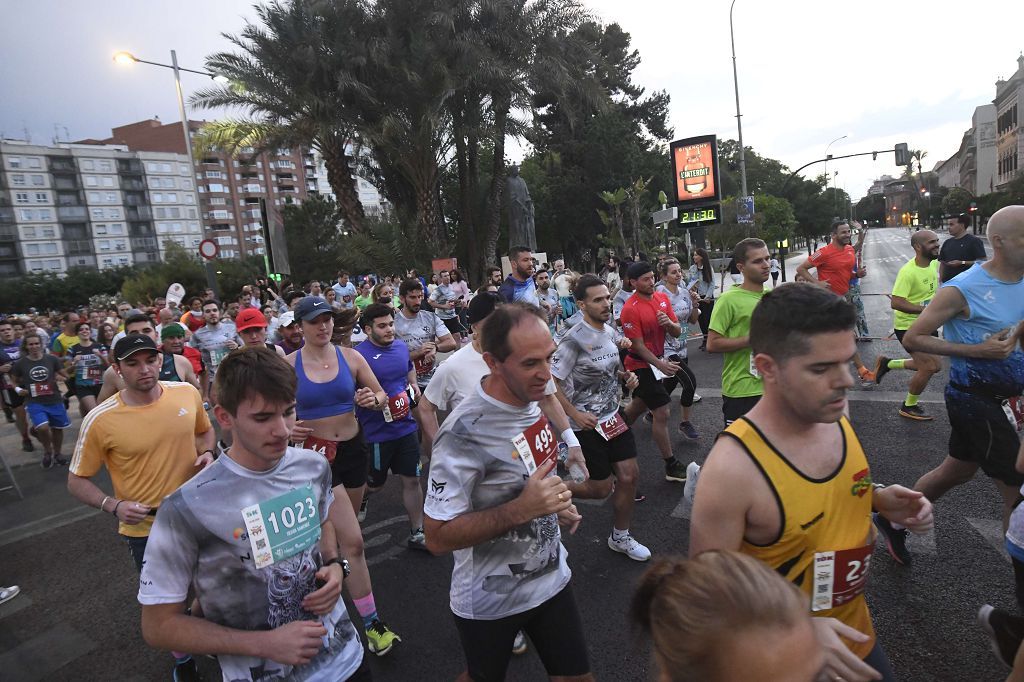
(977, 154)
(1009, 135)
(93, 206)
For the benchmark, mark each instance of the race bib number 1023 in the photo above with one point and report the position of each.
(282, 526)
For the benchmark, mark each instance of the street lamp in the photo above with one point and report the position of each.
(843, 137)
(739, 123)
(127, 58)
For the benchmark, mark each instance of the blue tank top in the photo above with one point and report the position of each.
(168, 371)
(994, 306)
(317, 401)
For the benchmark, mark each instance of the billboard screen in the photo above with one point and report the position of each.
(695, 170)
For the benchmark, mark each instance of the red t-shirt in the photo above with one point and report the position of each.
(639, 321)
(835, 266)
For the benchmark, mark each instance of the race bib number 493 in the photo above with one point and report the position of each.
(282, 526)
(536, 445)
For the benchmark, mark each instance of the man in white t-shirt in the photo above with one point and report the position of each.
(493, 499)
(345, 290)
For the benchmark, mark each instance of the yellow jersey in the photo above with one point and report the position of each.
(826, 540)
(149, 450)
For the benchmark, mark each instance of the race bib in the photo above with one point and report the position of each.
(87, 375)
(40, 390)
(216, 355)
(327, 448)
(753, 368)
(397, 407)
(840, 576)
(423, 365)
(5, 381)
(1014, 411)
(536, 445)
(658, 374)
(283, 526)
(612, 427)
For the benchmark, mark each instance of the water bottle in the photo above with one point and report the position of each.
(575, 470)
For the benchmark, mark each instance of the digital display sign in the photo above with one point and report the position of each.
(704, 215)
(695, 171)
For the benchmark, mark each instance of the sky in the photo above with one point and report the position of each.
(879, 72)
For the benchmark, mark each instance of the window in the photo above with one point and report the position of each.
(169, 182)
(34, 162)
(53, 265)
(28, 233)
(112, 197)
(88, 164)
(114, 213)
(104, 244)
(184, 170)
(172, 197)
(157, 197)
(176, 228)
(91, 181)
(27, 214)
(21, 197)
(45, 214)
(42, 198)
(107, 166)
(99, 229)
(108, 181)
(15, 162)
(188, 198)
(38, 181)
(192, 213)
(18, 180)
(151, 167)
(31, 249)
(94, 197)
(116, 228)
(165, 168)
(96, 213)
(48, 232)
(186, 184)
(123, 260)
(214, 187)
(108, 263)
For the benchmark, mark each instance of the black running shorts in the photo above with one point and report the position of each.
(350, 462)
(650, 390)
(601, 454)
(992, 444)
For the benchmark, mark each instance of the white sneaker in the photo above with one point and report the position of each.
(630, 547)
(692, 473)
(519, 646)
(9, 593)
(697, 397)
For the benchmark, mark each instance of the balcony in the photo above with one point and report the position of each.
(133, 184)
(251, 189)
(144, 244)
(140, 229)
(69, 199)
(78, 247)
(71, 213)
(138, 213)
(129, 167)
(66, 183)
(62, 166)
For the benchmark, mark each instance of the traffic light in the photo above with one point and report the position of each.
(902, 154)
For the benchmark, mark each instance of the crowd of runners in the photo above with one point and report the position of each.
(245, 440)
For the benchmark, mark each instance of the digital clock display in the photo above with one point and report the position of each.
(705, 215)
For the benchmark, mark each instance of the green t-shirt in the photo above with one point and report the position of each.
(731, 318)
(917, 285)
(363, 301)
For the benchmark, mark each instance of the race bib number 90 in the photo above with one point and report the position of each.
(839, 577)
(283, 526)
(536, 445)
(397, 407)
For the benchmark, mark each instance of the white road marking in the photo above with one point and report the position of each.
(991, 530)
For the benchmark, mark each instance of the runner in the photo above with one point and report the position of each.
(548, 297)
(290, 331)
(332, 381)
(252, 329)
(789, 483)
(391, 431)
(145, 464)
(173, 368)
(836, 265)
(729, 331)
(563, 281)
(10, 351)
(961, 250)
(426, 335)
(914, 289)
(494, 503)
(587, 368)
(86, 362)
(172, 338)
(344, 290)
(702, 280)
(647, 318)
(193, 317)
(444, 301)
(214, 340)
(685, 306)
(980, 312)
(519, 286)
(284, 616)
(35, 374)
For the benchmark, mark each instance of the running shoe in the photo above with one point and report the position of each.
(9, 593)
(867, 377)
(417, 540)
(881, 368)
(915, 412)
(895, 540)
(686, 428)
(648, 418)
(697, 397)
(628, 545)
(362, 508)
(675, 470)
(61, 460)
(380, 638)
(519, 646)
(1004, 631)
(47, 462)
(692, 473)
(639, 497)
(186, 671)
(27, 446)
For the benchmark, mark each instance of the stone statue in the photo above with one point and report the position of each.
(521, 229)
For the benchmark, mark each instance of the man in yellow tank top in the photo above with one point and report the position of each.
(789, 483)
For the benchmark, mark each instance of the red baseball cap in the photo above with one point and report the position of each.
(249, 318)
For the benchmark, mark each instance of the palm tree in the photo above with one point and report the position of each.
(295, 77)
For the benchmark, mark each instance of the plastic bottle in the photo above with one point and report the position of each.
(575, 470)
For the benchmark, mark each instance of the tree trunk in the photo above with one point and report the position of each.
(497, 189)
(428, 216)
(466, 227)
(343, 184)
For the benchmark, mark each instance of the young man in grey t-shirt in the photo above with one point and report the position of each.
(493, 499)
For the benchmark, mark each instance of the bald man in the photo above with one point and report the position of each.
(980, 312)
(913, 290)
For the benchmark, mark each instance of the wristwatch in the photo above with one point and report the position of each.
(346, 570)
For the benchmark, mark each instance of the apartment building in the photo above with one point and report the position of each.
(1009, 134)
(92, 205)
(374, 203)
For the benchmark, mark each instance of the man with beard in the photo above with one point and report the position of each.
(391, 431)
(547, 296)
(836, 265)
(789, 483)
(174, 367)
(290, 331)
(425, 335)
(519, 286)
(172, 339)
(152, 437)
(214, 340)
(914, 289)
(494, 501)
(283, 616)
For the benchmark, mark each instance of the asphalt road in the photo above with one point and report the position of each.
(77, 618)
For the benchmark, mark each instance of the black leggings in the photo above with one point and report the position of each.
(705, 316)
(684, 378)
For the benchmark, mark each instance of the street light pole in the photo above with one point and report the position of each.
(181, 110)
(829, 146)
(739, 122)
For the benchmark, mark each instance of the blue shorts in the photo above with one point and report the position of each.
(54, 415)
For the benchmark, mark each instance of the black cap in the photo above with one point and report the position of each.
(481, 306)
(311, 307)
(638, 270)
(133, 343)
